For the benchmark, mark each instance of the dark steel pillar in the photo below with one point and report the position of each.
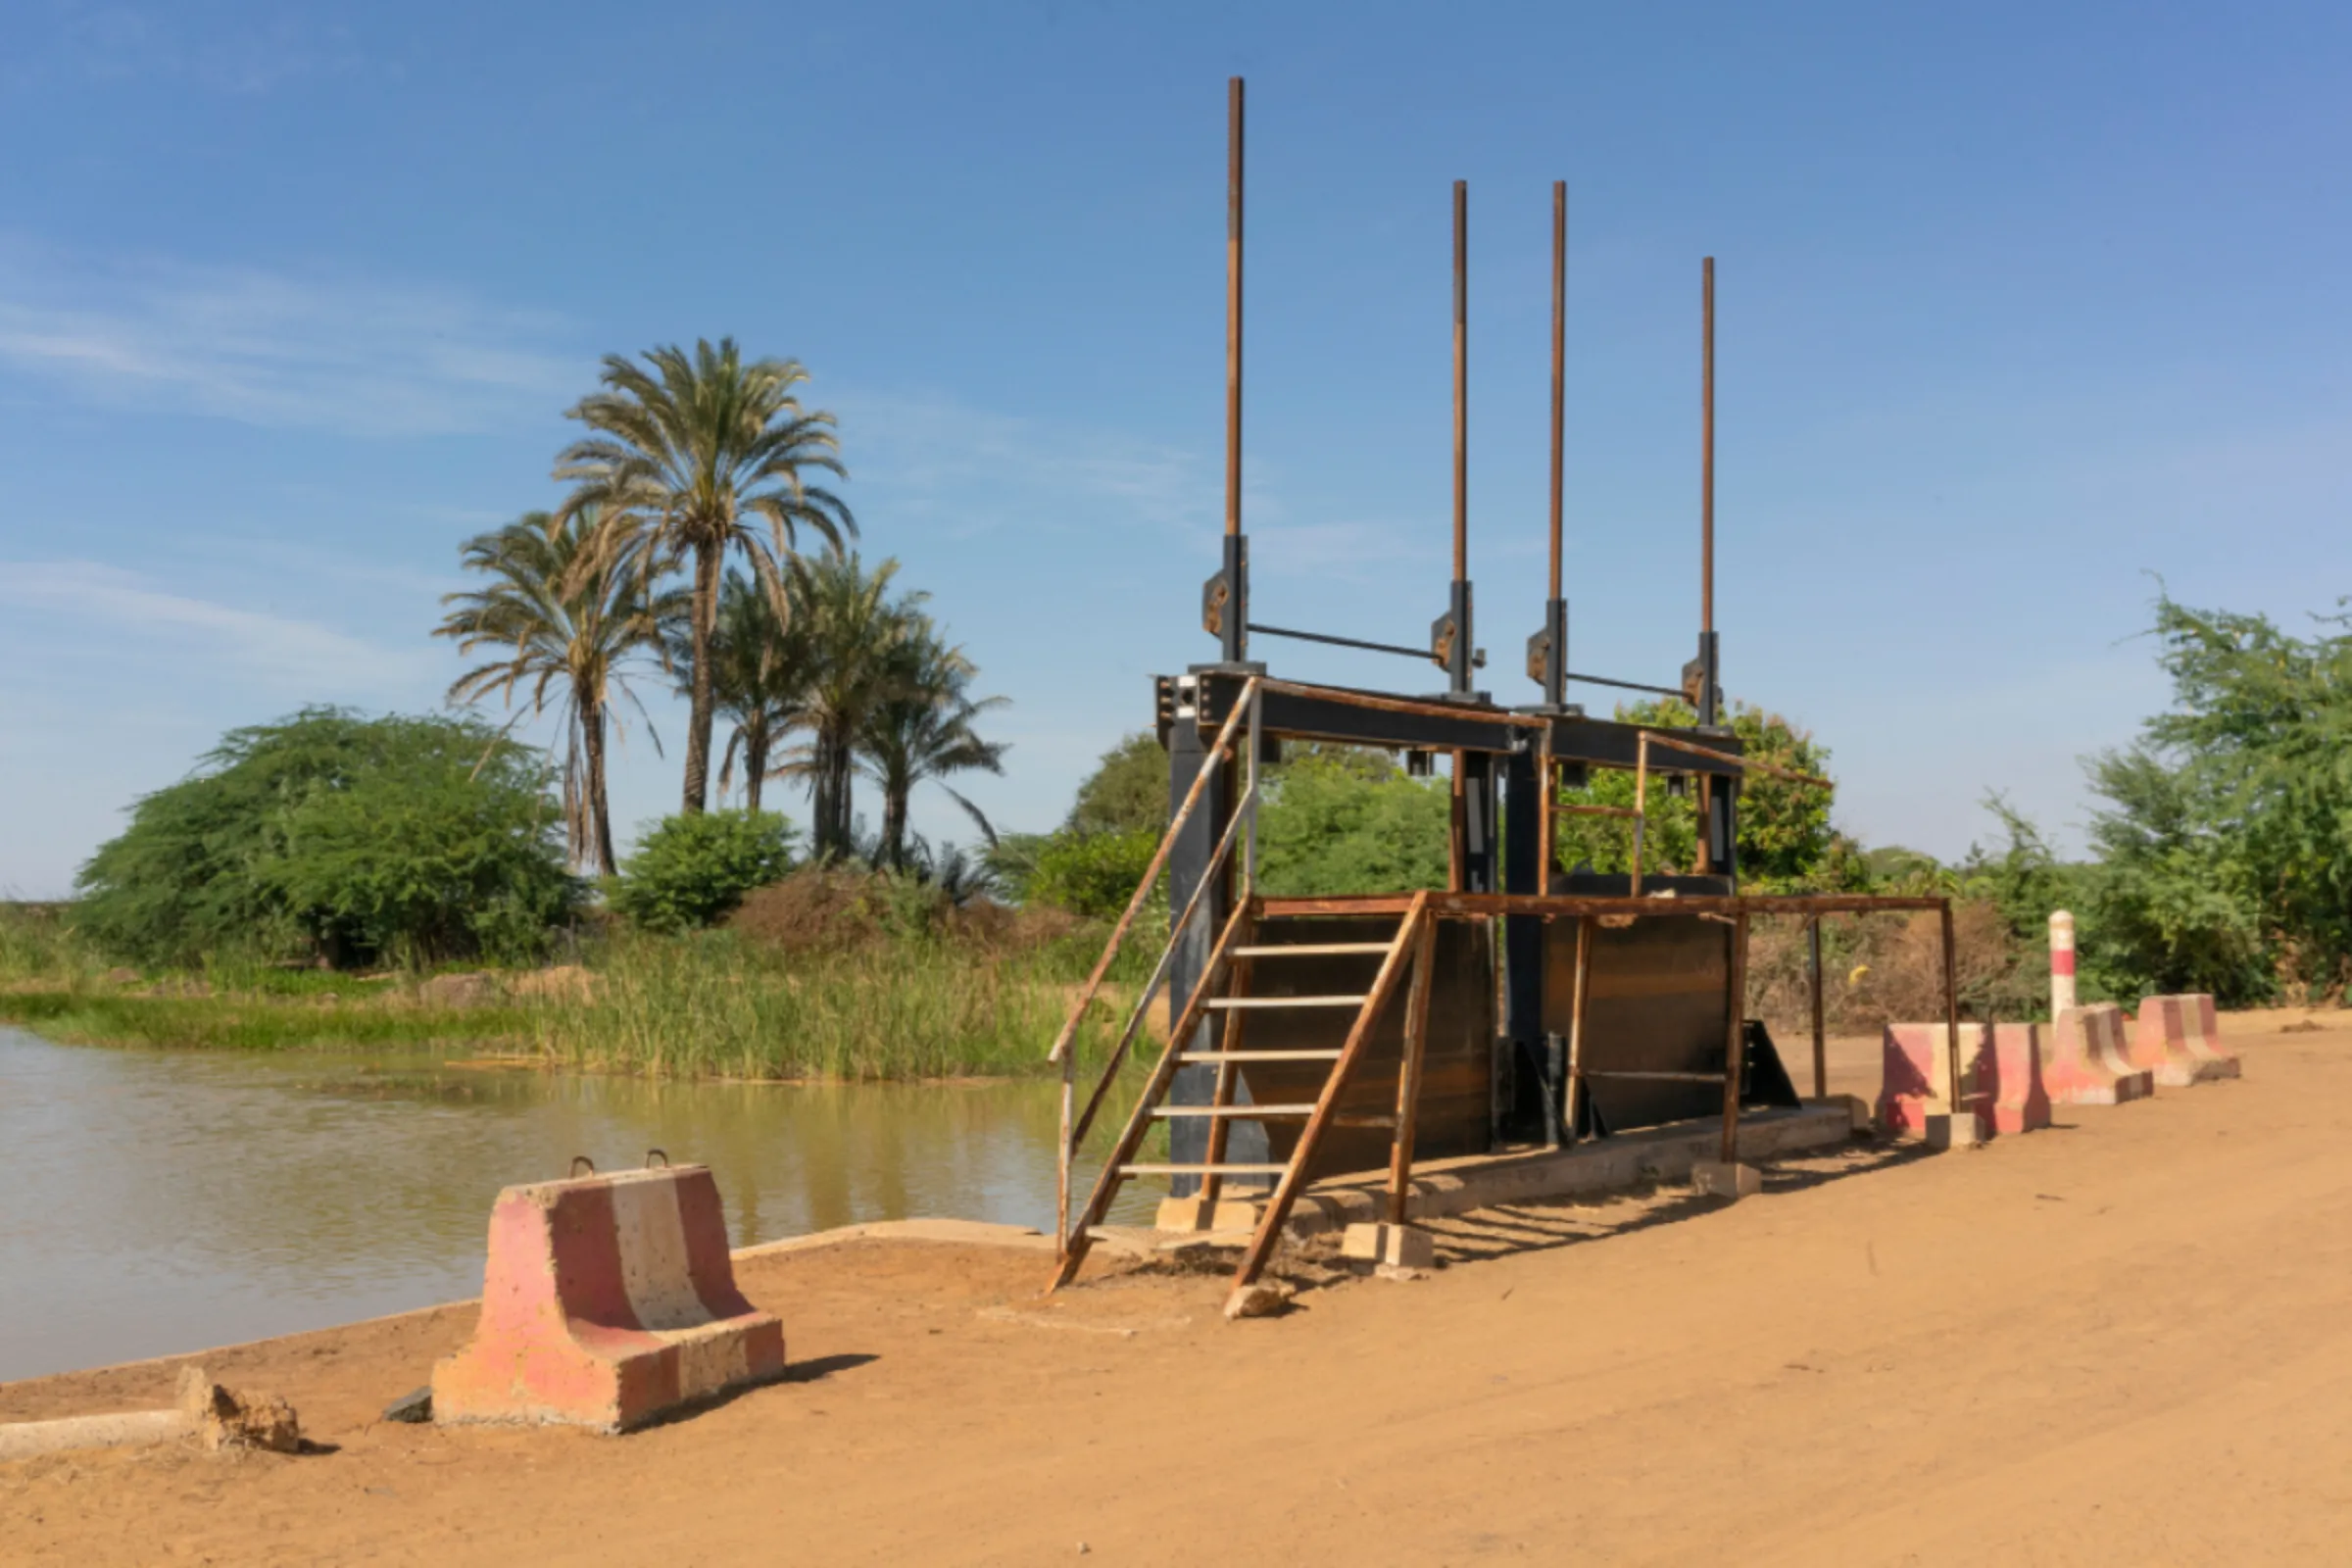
(1523, 934)
(1188, 863)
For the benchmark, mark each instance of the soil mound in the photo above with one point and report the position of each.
(836, 910)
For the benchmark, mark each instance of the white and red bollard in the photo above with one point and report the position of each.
(2062, 963)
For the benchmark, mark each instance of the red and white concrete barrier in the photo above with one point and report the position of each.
(2021, 1101)
(2062, 963)
(605, 1301)
(1915, 1077)
(2176, 1041)
(2086, 1063)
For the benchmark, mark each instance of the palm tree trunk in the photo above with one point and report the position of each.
(842, 760)
(893, 822)
(592, 740)
(831, 803)
(755, 764)
(706, 563)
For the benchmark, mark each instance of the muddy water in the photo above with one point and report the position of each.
(161, 1201)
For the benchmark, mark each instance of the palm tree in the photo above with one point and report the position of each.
(687, 456)
(851, 634)
(757, 669)
(921, 731)
(570, 631)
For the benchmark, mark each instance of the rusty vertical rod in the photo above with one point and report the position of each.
(1461, 653)
(1560, 370)
(1226, 611)
(1736, 1042)
(1706, 458)
(1573, 1114)
(1640, 807)
(1461, 384)
(1547, 816)
(1068, 1153)
(1552, 671)
(1820, 1046)
(1233, 309)
(1408, 1076)
(1457, 832)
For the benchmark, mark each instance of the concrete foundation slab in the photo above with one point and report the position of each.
(1715, 1177)
(1397, 1246)
(1444, 1187)
(1965, 1129)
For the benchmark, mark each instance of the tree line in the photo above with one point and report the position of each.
(2221, 846)
(677, 556)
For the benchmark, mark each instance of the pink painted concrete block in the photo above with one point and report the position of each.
(605, 1301)
(2011, 1076)
(1915, 1068)
(2086, 1063)
(2177, 1039)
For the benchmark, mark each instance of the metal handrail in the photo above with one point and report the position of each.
(1243, 826)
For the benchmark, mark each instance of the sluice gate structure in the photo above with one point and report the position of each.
(1521, 1005)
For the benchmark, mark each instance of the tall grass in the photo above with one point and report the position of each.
(715, 1006)
(38, 946)
(263, 1022)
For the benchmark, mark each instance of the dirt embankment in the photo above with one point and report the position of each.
(2126, 1339)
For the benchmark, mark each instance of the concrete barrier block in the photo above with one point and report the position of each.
(2176, 1040)
(2086, 1063)
(1397, 1246)
(1716, 1178)
(1915, 1066)
(2016, 1097)
(607, 1302)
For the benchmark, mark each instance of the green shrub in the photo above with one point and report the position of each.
(1786, 844)
(328, 835)
(694, 868)
(1342, 820)
(1127, 792)
(37, 944)
(1091, 873)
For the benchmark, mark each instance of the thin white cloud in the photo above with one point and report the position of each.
(106, 44)
(1354, 552)
(273, 349)
(974, 471)
(118, 606)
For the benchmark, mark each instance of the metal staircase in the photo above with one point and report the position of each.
(1225, 989)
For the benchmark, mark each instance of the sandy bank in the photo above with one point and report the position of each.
(2129, 1339)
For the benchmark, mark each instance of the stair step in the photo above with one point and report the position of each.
(1228, 1002)
(1659, 1077)
(1203, 1170)
(1260, 1055)
(1239, 1112)
(1311, 949)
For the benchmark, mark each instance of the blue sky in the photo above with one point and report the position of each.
(2022, 307)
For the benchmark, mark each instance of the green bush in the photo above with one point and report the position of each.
(1786, 844)
(1127, 792)
(1090, 873)
(694, 868)
(1341, 820)
(331, 836)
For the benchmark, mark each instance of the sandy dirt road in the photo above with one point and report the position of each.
(2127, 1340)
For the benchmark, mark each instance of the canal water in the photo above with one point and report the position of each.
(158, 1201)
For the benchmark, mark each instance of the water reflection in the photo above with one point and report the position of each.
(161, 1201)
